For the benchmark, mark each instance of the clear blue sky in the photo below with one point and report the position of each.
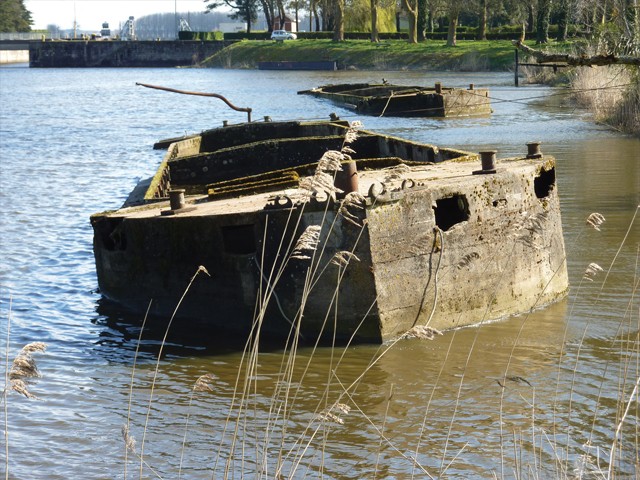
(91, 13)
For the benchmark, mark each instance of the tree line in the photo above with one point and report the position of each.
(533, 17)
(618, 21)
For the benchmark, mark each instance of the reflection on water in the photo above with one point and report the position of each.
(542, 392)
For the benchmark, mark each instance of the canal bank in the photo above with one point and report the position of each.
(430, 55)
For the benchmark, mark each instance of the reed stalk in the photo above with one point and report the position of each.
(5, 392)
(157, 367)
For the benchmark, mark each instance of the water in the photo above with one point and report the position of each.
(75, 142)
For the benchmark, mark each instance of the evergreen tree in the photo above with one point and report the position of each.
(245, 10)
(14, 16)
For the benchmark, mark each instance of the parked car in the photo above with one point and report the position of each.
(281, 35)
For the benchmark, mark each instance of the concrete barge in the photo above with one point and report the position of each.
(409, 234)
(406, 101)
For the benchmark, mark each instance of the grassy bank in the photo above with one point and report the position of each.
(363, 55)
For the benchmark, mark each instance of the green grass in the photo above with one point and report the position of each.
(364, 55)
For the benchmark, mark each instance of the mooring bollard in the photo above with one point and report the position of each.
(347, 179)
(488, 161)
(176, 199)
(533, 150)
(471, 86)
(438, 87)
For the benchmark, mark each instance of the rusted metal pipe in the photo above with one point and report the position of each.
(201, 94)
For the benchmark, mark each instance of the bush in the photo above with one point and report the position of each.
(203, 36)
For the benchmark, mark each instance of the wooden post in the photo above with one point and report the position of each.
(516, 69)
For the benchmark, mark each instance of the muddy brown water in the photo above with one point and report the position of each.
(541, 393)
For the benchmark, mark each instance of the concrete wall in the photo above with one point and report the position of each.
(79, 54)
(14, 56)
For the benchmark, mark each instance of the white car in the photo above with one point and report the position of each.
(281, 35)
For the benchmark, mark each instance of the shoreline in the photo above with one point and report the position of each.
(398, 55)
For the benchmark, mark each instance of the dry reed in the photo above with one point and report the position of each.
(24, 367)
(270, 439)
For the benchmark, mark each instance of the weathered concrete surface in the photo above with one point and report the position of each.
(434, 244)
(497, 250)
(405, 100)
(113, 53)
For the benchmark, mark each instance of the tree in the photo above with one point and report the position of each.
(542, 22)
(245, 10)
(374, 21)
(411, 7)
(423, 12)
(563, 20)
(14, 16)
(453, 14)
(482, 21)
(338, 28)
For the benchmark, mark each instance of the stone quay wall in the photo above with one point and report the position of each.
(115, 53)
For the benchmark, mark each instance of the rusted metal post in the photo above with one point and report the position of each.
(347, 179)
(516, 69)
(488, 160)
(176, 199)
(533, 150)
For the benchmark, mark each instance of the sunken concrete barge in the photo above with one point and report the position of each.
(410, 235)
(390, 100)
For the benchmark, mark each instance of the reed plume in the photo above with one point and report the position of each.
(24, 366)
(591, 271)
(595, 220)
(307, 243)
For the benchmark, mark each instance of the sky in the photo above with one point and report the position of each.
(91, 13)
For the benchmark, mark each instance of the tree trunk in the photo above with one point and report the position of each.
(374, 21)
(542, 30)
(412, 14)
(482, 26)
(247, 18)
(338, 30)
(453, 27)
(316, 16)
(563, 20)
(531, 20)
(422, 19)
